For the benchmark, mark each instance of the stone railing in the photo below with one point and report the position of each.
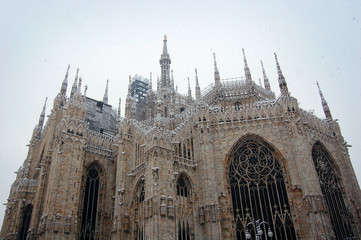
(322, 126)
(185, 161)
(137, 169)
(24, 185)
(100, 143)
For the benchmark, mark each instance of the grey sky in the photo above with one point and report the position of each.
(315, 41)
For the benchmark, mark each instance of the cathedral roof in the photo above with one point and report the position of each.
(100, 116)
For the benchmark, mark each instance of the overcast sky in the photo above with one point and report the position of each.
(314, 40)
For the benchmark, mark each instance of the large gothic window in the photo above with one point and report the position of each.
(331, 188)
(89, 218)
(139, 210)
(184, 201)
(258, 190)
(26, 222)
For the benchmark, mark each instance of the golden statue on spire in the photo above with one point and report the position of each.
(165, 37)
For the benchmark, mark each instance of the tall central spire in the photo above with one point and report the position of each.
(165, 62)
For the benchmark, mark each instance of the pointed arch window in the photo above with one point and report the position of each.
(26, 222)
(139, 210)
(184, 204)
(258, 190)
(90, 205)
(331, 188)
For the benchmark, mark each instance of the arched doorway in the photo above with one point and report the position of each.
(331, 188)
(258, 190)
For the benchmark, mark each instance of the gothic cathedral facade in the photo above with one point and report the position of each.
(234, 162)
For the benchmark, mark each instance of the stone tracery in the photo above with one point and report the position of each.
(258, 189)
(332, 190)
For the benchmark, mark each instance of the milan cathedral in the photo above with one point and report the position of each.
(233, 162)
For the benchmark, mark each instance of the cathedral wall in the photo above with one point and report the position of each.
(295, 156)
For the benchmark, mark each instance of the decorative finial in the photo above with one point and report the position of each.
(217, 78)
(189, 91)
(172, 79)
(64, 85)
(74, 87)
(325, 107)
(281, 79)
(85, 90)
(150, 82)
(165, 37)
(129, 87)
(198, 89)
(105, 98)
(79, 86)
(280, 74)
(42, 116)
(247, 72)
(215, 61)
(265, 78)
(119, 107)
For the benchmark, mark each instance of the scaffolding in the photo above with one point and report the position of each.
(140, 87)
(139, 90)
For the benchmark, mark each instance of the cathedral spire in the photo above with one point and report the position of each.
(150, 82)
(42, 116)
(158, 84)
(165, 62)
(74, 87)
(129, 87)
(325, 107)
(85, 90)
(128, 101)
(105, 98)
(79, 86)
(247, 72)
(189, 90)
(265, 79)
(198, 89)
(217, 78)
(172, 80)
(64, 85)
(165, 49)
(281, 79)
(119, 107)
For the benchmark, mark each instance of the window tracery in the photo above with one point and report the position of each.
(331, 188)
(184, 200)
(258, 190)
(139, 210)
(90, 205)
(26, 222)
